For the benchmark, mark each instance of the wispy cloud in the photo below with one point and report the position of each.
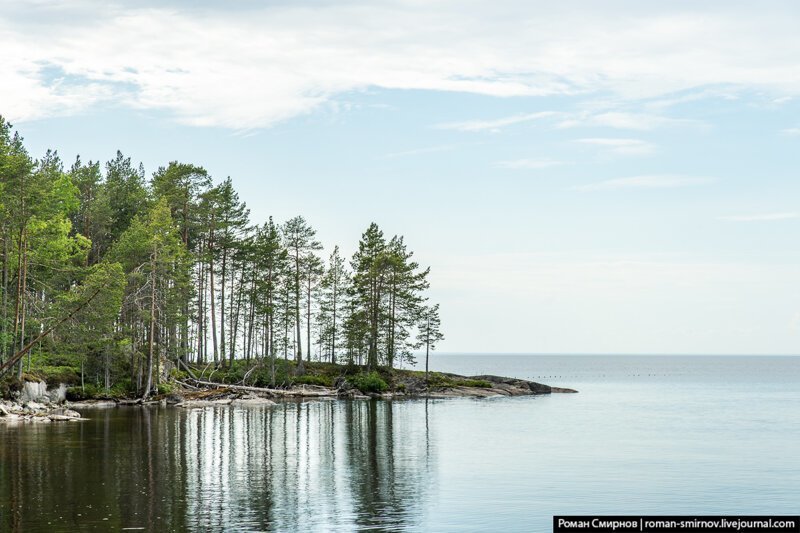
(660, 181)
(259, 63)
(494, 125)
(762, 217)
(621, 146)
(626, 121)
(529, 164)
(421, 151)
(791, 131)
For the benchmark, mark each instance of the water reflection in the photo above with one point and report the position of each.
(293, 467)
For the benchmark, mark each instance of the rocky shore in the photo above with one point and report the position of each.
(197, 394)
(30, 411)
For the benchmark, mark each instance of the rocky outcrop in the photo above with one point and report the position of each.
(37, 391)
(520, 387)
(30, 411)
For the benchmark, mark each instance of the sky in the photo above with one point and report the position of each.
(581, 178)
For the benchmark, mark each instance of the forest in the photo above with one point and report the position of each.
(113, 279)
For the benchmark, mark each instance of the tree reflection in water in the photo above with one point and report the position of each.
(297, 466)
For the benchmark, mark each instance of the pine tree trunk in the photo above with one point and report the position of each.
(333, 329)
(213, 300)
(308, 317)
(427, 347)
(3, 351)
(24, 306)
(222, 307)
(151, 342)
(298, 342)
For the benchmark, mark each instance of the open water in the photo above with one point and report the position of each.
(646, 434)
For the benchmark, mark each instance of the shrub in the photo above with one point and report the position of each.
(9, 387)
(178, 374)
(122, 389)
(371, 382)
(310, 379)
(436, 379)
(482, 383)
(88, 392)
(165, 388)
(53, 375)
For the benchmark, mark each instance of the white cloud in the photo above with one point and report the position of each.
(626, 121)
(421, 151)
(621, 146)
(494, 125)
(529, 164)
(251, 66)
(762, 217)
(646, 182)
(791, 131)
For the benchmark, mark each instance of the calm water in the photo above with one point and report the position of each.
(645, 435)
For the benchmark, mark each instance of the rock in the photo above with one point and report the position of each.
(137, 401)
(33, 390)
(256, 400)
(174, 399)
(59, 394)
(194, 404)
(33, 406)
(94, 403)
(69, 413)
(60, 418)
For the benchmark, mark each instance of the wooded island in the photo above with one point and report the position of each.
(117, 284)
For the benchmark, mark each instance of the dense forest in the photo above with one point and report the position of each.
(132, 276)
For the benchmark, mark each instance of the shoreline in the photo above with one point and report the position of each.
(196, 393)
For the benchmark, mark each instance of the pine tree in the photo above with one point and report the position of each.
(299, 241)
(429, 332)
(335, 283)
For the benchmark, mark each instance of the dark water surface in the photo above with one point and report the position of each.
(712, 435)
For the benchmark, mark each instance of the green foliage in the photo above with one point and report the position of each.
(122, 389)
(87, 392)
(9, 387)
(131, 273)
(437, 380)
(368, 382)
(233, 375)
(165, 388)
(53, 375)
(179, 374)
(480, 383)
(311, 379)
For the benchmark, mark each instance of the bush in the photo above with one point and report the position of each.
(482, 383)
(122, 389)
(310, 379)
(165, 388)
(178, 374)
(371, 382)
(440, 380)
(9, 387)
(88, 392)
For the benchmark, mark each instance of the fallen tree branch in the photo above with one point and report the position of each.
(20, 354)
(316, 392)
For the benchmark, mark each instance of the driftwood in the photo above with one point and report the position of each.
(5, 367)
(311, 391)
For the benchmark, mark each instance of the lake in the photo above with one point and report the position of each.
(646, 434)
